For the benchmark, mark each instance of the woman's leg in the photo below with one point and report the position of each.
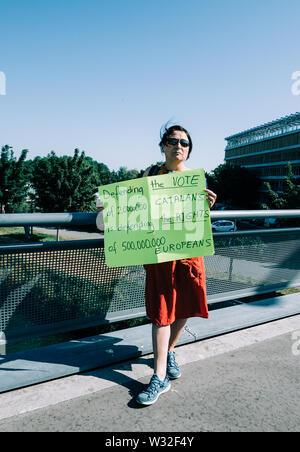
(160, 340)
(176, 330)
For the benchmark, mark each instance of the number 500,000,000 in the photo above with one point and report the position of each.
(142, 244)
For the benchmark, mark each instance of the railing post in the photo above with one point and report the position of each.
(2, 343)
(230, 269)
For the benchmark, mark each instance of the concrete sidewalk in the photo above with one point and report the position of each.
(248, 380)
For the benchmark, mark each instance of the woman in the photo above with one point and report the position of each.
(174, 290)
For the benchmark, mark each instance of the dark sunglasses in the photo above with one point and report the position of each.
(175, 141)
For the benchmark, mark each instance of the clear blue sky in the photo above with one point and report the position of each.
(104, 76)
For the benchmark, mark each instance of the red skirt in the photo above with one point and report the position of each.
(175, 290)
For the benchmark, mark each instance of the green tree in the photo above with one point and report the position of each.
(236, 187)
(13, 181)
(290, 198)
(124, 174)
(103, 172)
(109, 177)
(65, 184)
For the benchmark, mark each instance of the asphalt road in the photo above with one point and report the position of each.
(245, 389)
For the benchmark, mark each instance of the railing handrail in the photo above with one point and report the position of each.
(34, 247)
(264, 213)
(89, 218)
(48, 219)
(54, 245)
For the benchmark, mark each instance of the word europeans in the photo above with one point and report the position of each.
(183, 245)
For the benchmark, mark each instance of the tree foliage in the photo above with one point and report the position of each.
(70, 184)
(54, 184)
(13, 180)
(289, 198)
(124, 174)
(236, 187)
(64, 184)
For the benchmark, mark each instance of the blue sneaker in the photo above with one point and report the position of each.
(173, 370)
(155, 388)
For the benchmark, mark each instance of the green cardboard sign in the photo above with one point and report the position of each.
(156, 219)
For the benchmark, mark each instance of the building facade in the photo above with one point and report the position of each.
(267, 149)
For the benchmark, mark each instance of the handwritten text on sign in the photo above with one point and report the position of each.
(156, 219)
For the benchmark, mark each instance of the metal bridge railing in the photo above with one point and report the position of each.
(52, 287)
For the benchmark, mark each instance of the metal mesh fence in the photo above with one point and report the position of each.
(248, 263)
(58, 287)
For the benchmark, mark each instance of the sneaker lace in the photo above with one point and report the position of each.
(171, 361)
(153, 386)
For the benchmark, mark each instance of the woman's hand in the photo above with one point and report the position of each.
(211, 197)
(99, 205)
(99, 218)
